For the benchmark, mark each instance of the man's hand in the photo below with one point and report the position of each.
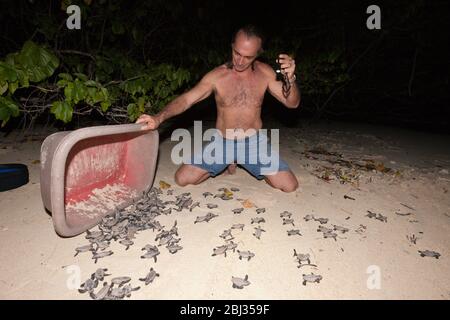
(287, 65)
(152, 122)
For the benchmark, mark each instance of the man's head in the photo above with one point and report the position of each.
(246, 45)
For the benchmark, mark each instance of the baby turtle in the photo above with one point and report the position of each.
(85, 248)
(206, 194)
(371, 214)
(195, 204)
(260, 210)
(174, 229)
(340, 229)
(127, 289)
(300, 257)
(234, 189)
(211, 205)
(152, 252)
(226, 233)
(324, 229)
(100, 274)
(150, 277)
(231, 246)
(88, 286)
(238, 226)
(311, 278)
(239, 283)
(293, 232)
(258, 232)
(165, 240)
(120, 281)
(169, 192)
(258, 220)
(93, 234)
(206, 218)
(174, 248)
(428, 253)
(102, 293)
(381, 218)
(220, 250)
(127, 243)
(321, 220)
(309, 217)
(285, 214)
(245, 255)
(100, 255)
(330, 235)
(288, 221)
(237, 210)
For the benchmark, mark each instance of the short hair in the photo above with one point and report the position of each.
(250, 30)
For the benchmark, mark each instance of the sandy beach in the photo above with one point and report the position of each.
(346, 171)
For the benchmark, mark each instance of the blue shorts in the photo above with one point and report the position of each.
(253, 153)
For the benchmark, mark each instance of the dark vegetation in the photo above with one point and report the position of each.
(132, 57)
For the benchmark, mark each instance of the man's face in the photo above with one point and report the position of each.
(244, 51)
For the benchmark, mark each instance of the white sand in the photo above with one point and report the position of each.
(34, 260)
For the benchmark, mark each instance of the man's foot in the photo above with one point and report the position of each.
(231, 169)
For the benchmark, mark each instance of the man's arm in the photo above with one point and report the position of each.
(276, 87)
(180, 104)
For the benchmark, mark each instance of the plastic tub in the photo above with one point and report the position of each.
(89, 173)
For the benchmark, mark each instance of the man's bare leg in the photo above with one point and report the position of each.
(189, 174)
(283, 180)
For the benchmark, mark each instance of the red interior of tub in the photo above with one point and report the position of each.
(97, 162)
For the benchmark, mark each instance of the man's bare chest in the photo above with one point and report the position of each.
(232, 92)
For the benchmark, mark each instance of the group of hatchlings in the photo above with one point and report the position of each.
(123, 225)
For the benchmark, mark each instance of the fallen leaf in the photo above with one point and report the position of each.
(164, 185)
(36, 161)
(247, 204)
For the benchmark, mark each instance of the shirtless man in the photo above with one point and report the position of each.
(239, 88)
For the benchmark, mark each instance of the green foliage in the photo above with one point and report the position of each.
(8, 108)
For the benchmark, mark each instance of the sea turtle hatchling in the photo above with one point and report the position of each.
(102, 293)
(260, 210)
(371, 214)
(245, 255)
(258, 220)
(285, 214)
(85, 248)
(205, 218)
(99, 255)
(174, 248)
(226, 233)
(311, 278)
(127, 243)
(100, 274)
(321, 220)
(309, 217)
(239, 283)
(340, 229)
(429, 253)
(258, 232)
(207, 194)
(88, 286)
(237, 210)
(152, 252)
(211, 205)
(120, 281)
(288, 221)
(149, 277)
(324, 229)
(220, 250)
(231, 246)
(330, 235)
(238, 226)
(234, 189)
(381, 218)
(195, 204)
(293, 232)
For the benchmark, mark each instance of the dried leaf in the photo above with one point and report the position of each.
(163, 185)
(247, 204)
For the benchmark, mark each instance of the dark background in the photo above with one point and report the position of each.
(398, 75)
